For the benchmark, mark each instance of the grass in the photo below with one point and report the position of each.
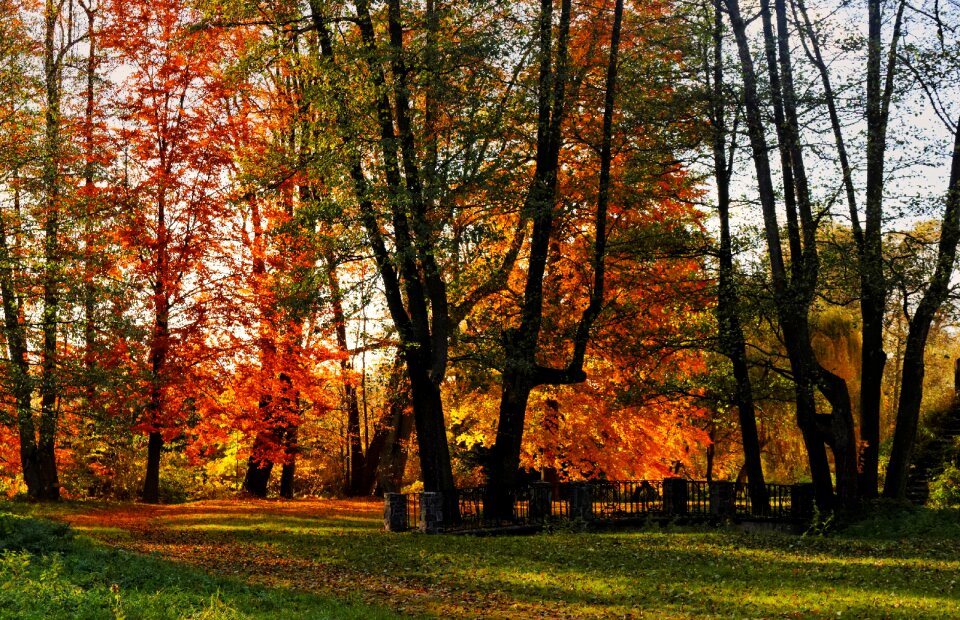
(318, 559)
(46, 572)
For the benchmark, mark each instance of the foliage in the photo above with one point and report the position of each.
(18, 533)
(945, 488)
(895, 520)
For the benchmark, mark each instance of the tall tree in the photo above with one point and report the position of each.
(168, 102)
(795, 288)
(732, 340)
(869, 238)
(408, 194)
(911, 392)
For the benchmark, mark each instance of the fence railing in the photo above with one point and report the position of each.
(604, 501)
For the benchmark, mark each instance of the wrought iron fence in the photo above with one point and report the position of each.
(698, 497)
(623, 500)
(413, 510)
(779, 504)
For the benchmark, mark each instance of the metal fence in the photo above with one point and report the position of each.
(619, 501)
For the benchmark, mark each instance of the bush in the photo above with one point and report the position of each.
(886, 519)
(945, 488)
(33, 535)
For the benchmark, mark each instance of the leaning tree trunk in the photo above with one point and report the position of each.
(911, 394)
(793, 294)
(520, 344)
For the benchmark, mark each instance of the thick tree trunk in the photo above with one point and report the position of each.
(151, 480)
(258, 469)
(503, 463)
(435, 469)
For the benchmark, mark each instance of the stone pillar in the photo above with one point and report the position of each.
(723, 499)
(395, 512)
(581, 501)
(675, 494)
(541, 503)
(801, 501)
(431, 513)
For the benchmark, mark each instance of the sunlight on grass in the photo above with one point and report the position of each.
(340, 552)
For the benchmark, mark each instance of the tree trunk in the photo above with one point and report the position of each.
(386, 457)
(49, 411)
(258, 470)
(355, 483)
(911, 394)
(504, 458)
(732, 341)
(288, 471)
(151, 480)
(793, 294)
(34, 475)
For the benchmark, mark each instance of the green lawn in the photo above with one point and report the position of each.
(330, 559)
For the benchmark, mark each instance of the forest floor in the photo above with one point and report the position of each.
(331, 559)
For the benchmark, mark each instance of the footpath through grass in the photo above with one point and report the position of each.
(328, 559)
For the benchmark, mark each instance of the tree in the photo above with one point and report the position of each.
(911, 392)
(534, 352)
(794, 290)
(412, 190)
(731, 337)
(170, 188)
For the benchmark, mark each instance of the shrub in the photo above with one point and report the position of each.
(945, 488)
(33, 535)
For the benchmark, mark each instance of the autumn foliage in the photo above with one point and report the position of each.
(372, 246)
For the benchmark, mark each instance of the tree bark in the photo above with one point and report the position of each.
(415, 291)
(732, 341)
(793, 294)
(911, 394)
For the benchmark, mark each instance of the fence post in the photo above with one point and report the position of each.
(723, 498)
(431, 512)
(395, 512)
(581, 502)
(675, 496)
(801, 501)
(541, 503)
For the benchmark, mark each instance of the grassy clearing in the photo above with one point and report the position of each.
(46, 572)
(253, 559)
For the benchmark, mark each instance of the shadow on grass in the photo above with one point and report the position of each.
(86, 580)
(342, 552)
